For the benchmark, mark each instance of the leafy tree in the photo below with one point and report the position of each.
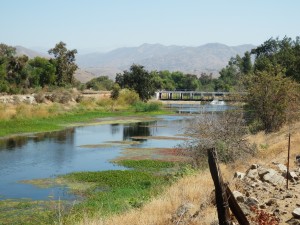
(246, 64)
(139, 80)
(14, 69)
(207, 83)
(100, 83)
(64, 61)
(6, 51)
(272, 100)
(167, 81)
(41, 72)
(229, 76)
(281, 54)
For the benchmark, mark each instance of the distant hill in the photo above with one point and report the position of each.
(80, 74)
(209, 58)
(20, 50)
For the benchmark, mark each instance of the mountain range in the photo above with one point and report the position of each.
(208, 58)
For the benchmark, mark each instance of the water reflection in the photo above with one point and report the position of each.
(17, 142)
(137, 129)
(115, 128)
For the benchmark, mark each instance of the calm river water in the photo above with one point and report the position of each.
(50, 154)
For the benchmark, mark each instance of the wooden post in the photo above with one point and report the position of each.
(236, 209)
(220, 191)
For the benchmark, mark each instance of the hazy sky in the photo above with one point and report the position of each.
(107, 24)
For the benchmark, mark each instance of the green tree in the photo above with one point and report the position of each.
(100, 83)
(64, 61)
(167, 81)
(246, 64)
(41, 72)
(139, 80)
(283, 55)
(272, 100)
(230, 76)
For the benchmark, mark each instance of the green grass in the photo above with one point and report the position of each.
(106, 193)
(116, 191)
(58, 122)
(146, 164)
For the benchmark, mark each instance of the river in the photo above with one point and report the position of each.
(54, 153)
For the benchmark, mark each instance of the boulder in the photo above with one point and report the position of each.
(296, 213)
(282, 168)
(252, 173)
(271, 176)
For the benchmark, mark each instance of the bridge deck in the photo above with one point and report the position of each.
(199, 95)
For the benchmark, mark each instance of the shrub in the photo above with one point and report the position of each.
(146, 107)
(224, 131)
(40, 97)
(61, 96)
(128, 97)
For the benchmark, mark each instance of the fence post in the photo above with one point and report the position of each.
(220, 189)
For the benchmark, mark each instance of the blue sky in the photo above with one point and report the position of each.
(107, 24)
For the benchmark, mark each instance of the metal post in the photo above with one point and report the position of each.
(288, 163)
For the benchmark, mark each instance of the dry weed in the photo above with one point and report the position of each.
(193, 189)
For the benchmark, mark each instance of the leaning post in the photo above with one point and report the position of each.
(220, 188)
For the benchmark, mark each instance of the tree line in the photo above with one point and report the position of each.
(19, 73)
(270, 73)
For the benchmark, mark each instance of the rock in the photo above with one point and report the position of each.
(262, 171)
(251, 201)
(239, 175)
(263, 206)
(282, 168)
(254, 166)
(253, 174)
(271, 176)
(298, 159)
(293, 175)
(293, 221)
(238, 196)
(271, 201)
(288, 195)
(296, 213)
(276, 212)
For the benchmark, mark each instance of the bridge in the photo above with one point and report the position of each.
(199, 96)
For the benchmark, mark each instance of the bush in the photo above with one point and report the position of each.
(40, 97)
(146, 107)
(128, 97)
(224, 131)
(61, 96)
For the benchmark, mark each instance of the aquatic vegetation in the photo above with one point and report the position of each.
(159, 138)
(146, 164)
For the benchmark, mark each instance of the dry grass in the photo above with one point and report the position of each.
(197, 189)
(7, 111)
(194, 189)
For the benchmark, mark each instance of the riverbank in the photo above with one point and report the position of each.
(190, 200)
(24, 119)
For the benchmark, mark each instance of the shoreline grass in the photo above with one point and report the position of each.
(58, 122)
(104, 193)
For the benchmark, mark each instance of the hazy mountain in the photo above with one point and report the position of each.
(80, 74)
(209, 58)
(20, 50)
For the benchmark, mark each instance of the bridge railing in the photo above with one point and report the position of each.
(199, 95)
